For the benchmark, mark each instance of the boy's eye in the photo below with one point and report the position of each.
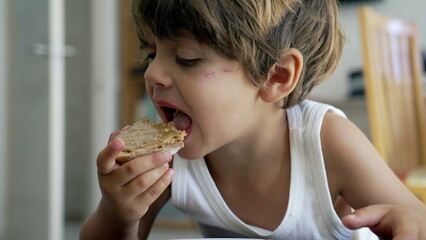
(187, 62)
(150, 57)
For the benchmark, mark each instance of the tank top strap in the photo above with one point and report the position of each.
(308, 116)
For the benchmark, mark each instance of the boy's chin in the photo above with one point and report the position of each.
(186, 154)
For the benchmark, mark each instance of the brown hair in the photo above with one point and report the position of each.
(254, 32)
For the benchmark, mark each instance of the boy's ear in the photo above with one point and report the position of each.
(283, 76)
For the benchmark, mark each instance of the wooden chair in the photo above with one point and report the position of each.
(394, 95)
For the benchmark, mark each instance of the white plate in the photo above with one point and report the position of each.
(217, 239)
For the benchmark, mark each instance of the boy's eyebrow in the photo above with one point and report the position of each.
(143, 46)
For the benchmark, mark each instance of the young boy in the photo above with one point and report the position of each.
(259, 161)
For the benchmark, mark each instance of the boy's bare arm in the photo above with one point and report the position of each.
(362, 177)
(102, 226)
(365, 181)
(145, 224)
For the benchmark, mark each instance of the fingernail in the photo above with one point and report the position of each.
(117, 144)
(166, 165)
(170, 173)
(166, 156)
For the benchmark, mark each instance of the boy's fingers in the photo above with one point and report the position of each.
(406, 228)
(114, 134)
(364, 217)
(106, 159)
(406, 231)
(144, 181)
(138, 166)
(377, 218)
(153, 192)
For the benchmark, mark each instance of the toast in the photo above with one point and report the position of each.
(145, 137)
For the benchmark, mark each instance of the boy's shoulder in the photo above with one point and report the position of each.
(310, 112)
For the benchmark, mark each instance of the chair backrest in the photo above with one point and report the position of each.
(393, 88)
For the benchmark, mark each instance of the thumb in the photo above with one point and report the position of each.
(369, 216)
(387, 221)
(106, 159)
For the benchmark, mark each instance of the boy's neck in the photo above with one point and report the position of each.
(265, 150)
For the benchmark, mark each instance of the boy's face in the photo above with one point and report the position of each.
(216, 101)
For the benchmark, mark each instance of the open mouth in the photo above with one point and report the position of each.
(180, 119)
(168, 113)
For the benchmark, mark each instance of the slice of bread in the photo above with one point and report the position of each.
(145, 137)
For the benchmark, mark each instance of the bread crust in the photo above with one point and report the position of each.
(145, 137)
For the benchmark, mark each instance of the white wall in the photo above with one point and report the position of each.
(78, 110)
(28, 167)
(336, 87)
(105, 84)
(3, 115)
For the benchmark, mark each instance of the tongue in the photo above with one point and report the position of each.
(181, 120)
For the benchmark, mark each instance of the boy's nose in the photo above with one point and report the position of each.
(156, 74)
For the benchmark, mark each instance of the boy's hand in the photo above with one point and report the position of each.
(390, 221)
(129, 189)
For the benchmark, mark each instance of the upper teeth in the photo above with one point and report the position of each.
(176, 112)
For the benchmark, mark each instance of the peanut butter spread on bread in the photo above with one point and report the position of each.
(144, 137)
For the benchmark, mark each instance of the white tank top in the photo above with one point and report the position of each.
(310, 213)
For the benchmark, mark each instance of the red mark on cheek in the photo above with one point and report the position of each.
(210, 74)
(225, 69)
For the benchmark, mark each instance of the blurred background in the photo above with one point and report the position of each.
(69, 76)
